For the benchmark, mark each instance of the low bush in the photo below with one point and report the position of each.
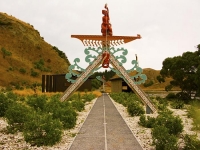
(37, 102)
(183, 96)
(4, 103)
(62, 111)
(194, 113)
(34, 73)
(17, 114)
(40, 118)
(171, 96)
(135, 109)
(148, 123)
(148, 84)
(78, 105)
(6, 99)
(129, 100)
(163, 140)
(177, 104)
(172, 123)
(22, 70)
(191, 142)
(165, 129)
(162, 103)
(88, 97)
(42, 129)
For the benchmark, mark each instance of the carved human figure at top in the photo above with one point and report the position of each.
(106, 28)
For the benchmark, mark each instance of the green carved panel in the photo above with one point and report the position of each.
(120, 56)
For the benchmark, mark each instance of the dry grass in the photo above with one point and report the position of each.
(26, 92)
(97, 93)
(27, 47)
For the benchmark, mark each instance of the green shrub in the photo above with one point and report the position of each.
(78, 105)
(191, 142)
(67, 117)
(124, 98)
(177, 104)
(22, 70)
(88, 97)
(16, 115)
(10, 95)
(151, 121)
(162, 104)
(142, 121)
(168, 87)
(148, 84)
(135, 109)
(34, 73)
(6, 99)
(37, 102)
(61, 54)
(5, 52)
(4, 104)
(183, 96)
(194, 113)
(62, 111)
(96, 84)
(171, 96)
(129, 100)
(163, 140)
(172, 123)
(148, 123)
(39, 64)
(75, 97)
(42, 129)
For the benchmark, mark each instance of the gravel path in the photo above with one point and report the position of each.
(105, 129)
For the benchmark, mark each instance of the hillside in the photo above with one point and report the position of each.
(156, 86)
(151, 77)
(25, 56)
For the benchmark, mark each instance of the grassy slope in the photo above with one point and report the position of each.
(151, 76)
(27, 47)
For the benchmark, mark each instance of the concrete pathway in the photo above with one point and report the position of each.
(105, 129)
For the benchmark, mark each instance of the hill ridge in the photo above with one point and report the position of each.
(26, 55)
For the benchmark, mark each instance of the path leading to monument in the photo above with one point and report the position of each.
(105, 129)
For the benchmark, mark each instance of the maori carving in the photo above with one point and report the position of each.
(105, 59)
(106, 54)
(89, 59)
(96, 40)
(106, 28)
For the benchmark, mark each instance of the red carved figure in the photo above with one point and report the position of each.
(106, 28)
(105, 59)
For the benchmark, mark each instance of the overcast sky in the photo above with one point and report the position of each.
(168, 27)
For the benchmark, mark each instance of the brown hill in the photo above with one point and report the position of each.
(152, 77)
(25, 56)
(156, 86)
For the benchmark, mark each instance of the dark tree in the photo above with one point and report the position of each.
(185, 71)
